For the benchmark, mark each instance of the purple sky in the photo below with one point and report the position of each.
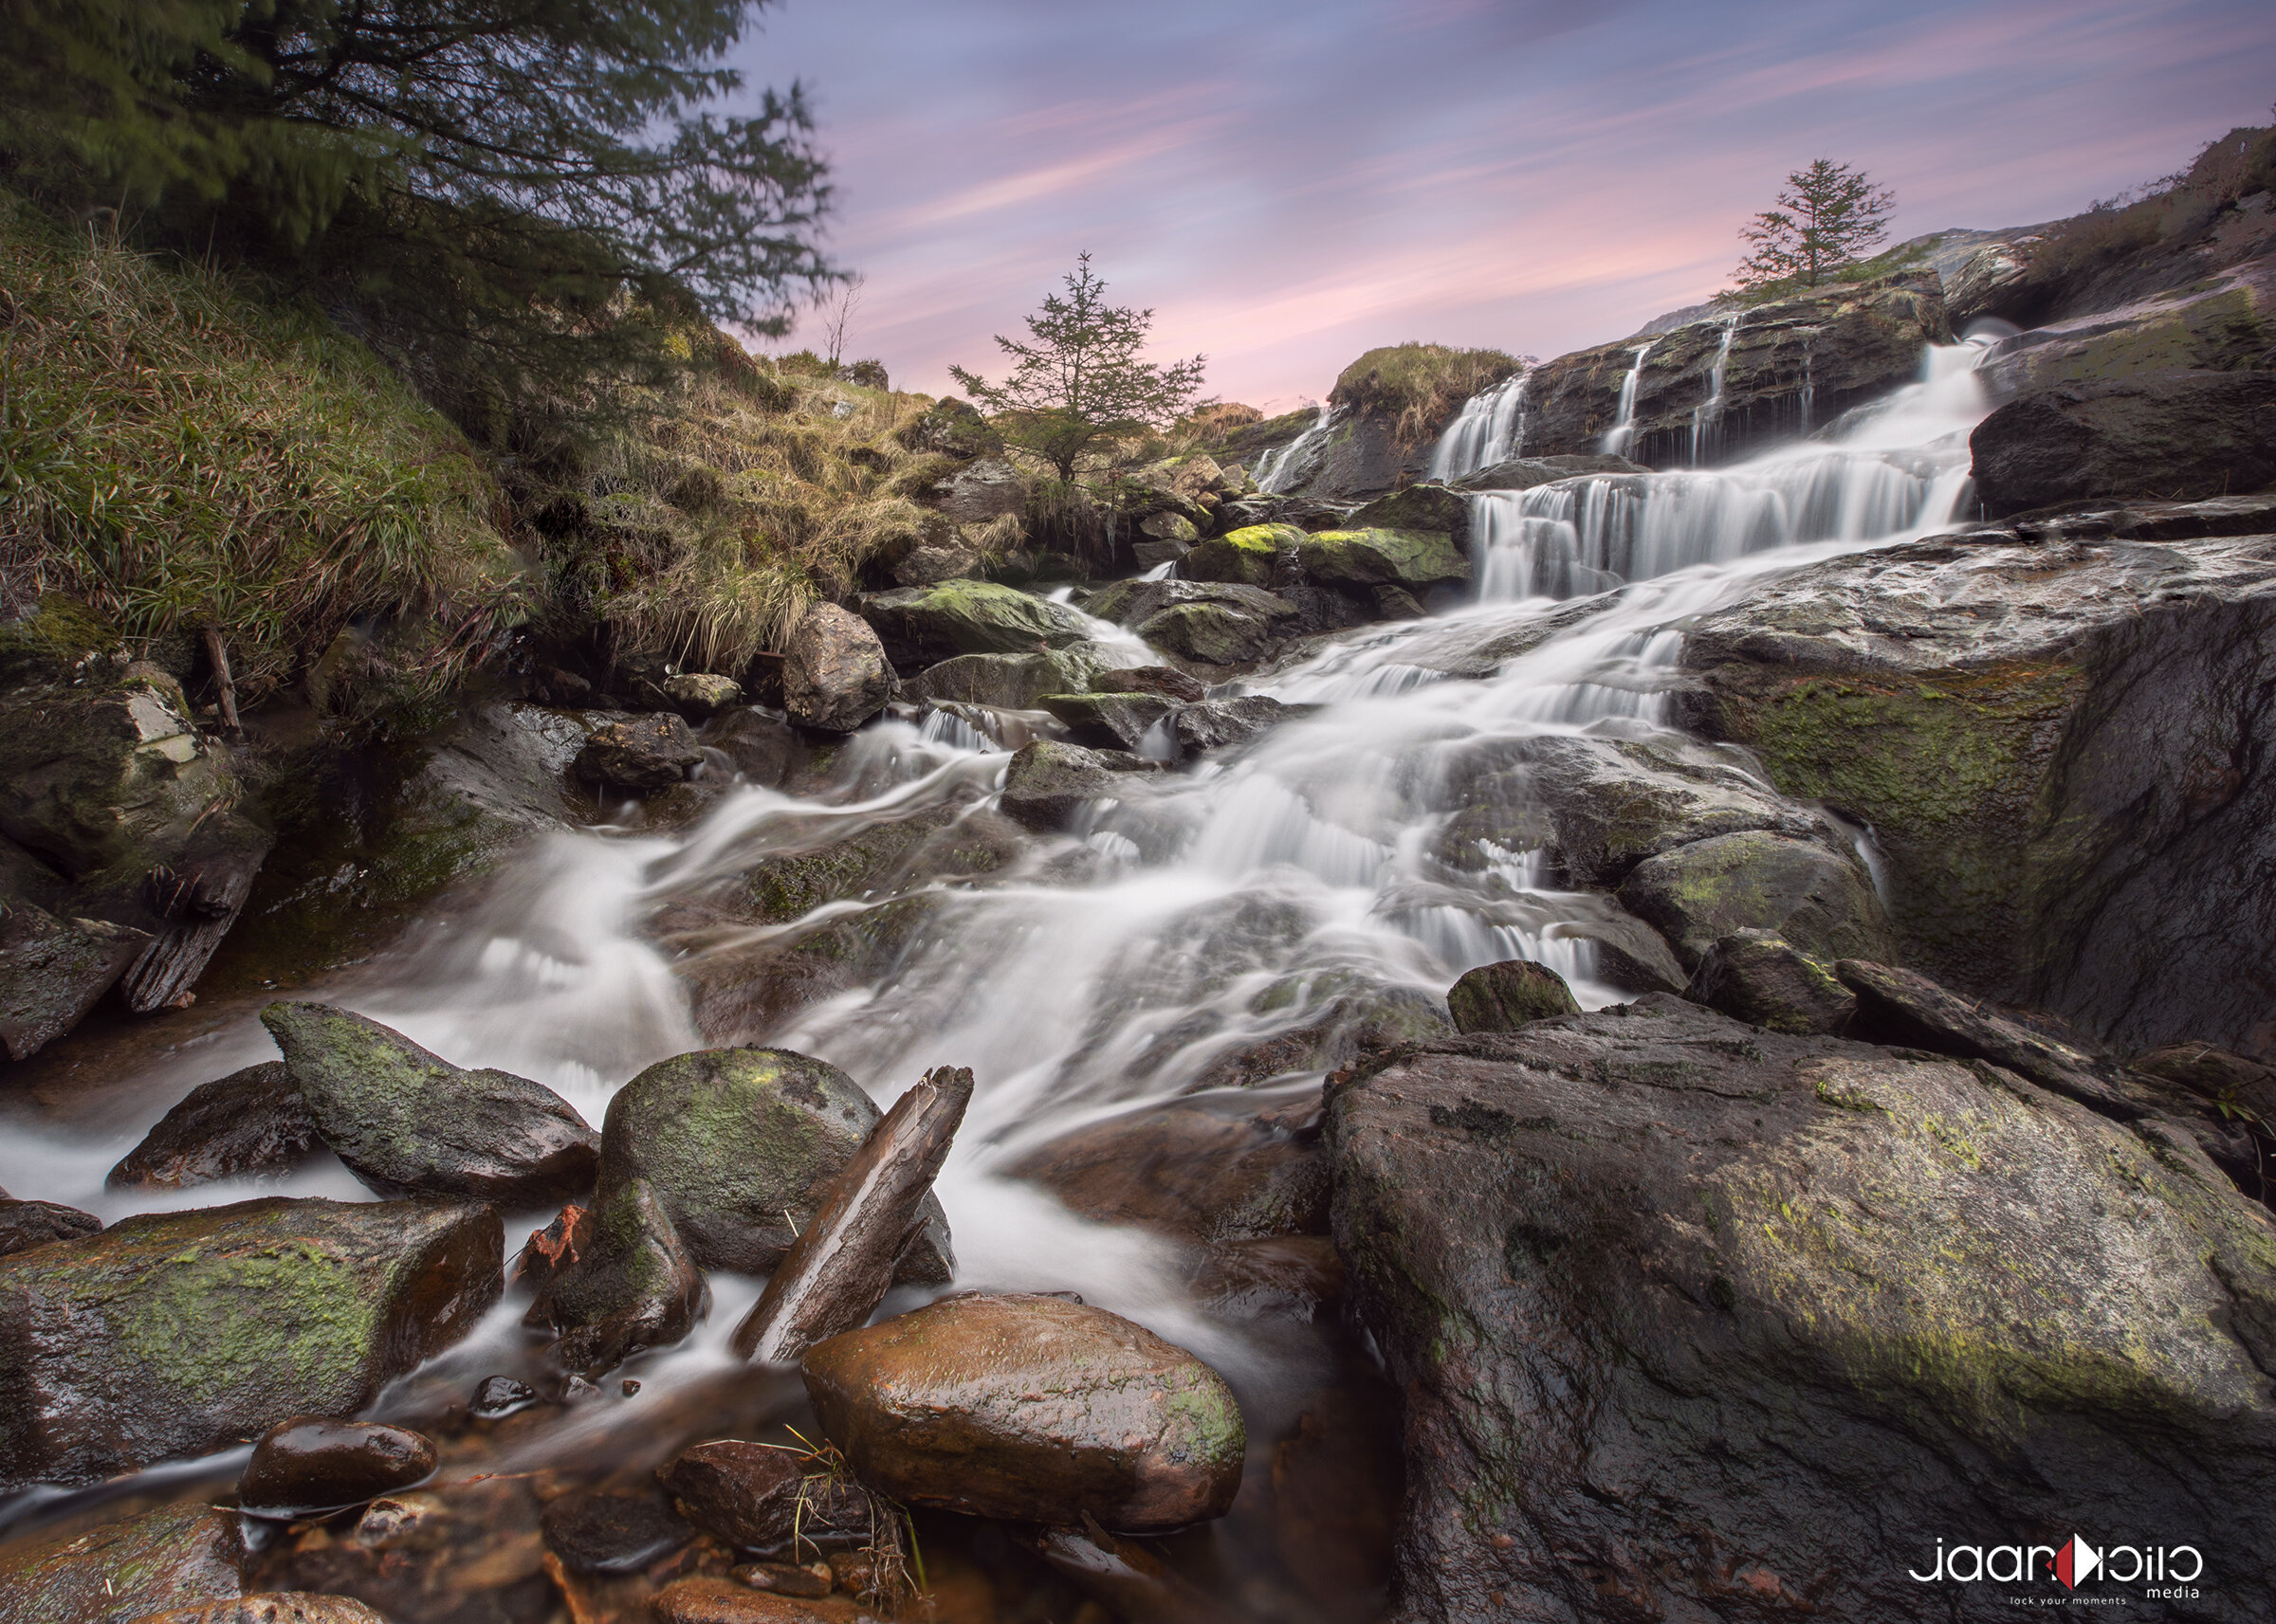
(1290, 182)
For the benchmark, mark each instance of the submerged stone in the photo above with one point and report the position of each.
(253, 1121)
(1107, 721)
(611, 1533)
(746, 1493)
(311, 1464)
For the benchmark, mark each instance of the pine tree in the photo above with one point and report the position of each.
(1081, 381)
(1827, 216)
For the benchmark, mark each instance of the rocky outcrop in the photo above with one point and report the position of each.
(834, 672)
(1033, 1409)
(2222, 322)
(1523, 473)
(1685, 1323)
(253, 1121)
(924, 626)
(982, 490)
(2177, 435)
(177, 1333)
(2055, 747)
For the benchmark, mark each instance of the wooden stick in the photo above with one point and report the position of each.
(220, 656)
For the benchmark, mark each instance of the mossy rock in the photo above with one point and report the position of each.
(631, 1286)
(184, 1557)
(788, 886)
(1818, 901)
(1757, 977)
(1048, 782)
(739, 1145)
(923, 626)
(175, 1334)
(1009, 681)
(1415, 560)
(1247, 556)
(1209, 634)
(1505, 996)
(1107, 721)
(1429, 508)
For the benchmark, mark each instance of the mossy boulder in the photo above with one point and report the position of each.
(1047, 782)
(184, 1556)
(1133, 603)
(1032, 1409)
(1428, 508)
(1755, 976)
(2185, 434)
(253, 1121)
(790, 883)
(407, 1122)
(739, 1145)
(1009, 681)
(1215, 724)
(1816, 1293)
(923, 626)
(1820, 901)
(1247, 556)
(173, 1334)
(1210, 634)
(632, 1285)
(1108, 721)
(1415, 560)
(1505, 996)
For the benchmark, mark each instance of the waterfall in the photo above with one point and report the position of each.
(1706, 417)
(1489, 429)
(1284, 465)
(1623, 432)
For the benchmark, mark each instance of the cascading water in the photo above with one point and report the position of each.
(1284, 465)
(1706, 417)
(1622, 434)
(1489, 429)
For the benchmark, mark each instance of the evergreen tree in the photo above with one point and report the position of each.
(1827, 216)
(1081, 381)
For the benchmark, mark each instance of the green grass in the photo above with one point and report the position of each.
(178, 451)
(1417, 386)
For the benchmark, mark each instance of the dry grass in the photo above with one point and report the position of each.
(175, 452)
(2172, 207)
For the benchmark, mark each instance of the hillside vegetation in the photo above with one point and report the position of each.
(1417, 386)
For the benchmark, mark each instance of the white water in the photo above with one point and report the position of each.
(1706, 417)
(1284, 465)
(1623, 432)
(1489, 429)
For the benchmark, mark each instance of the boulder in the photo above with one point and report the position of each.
(835, 673)
(629, 1283)
(53, 970)
(699, 696)
(592, 1533)
(253, 1121)
(738, 1145)
(1047, 783)
(2049, 741)
(1420, 509)
(1523, 473)
(1168, 526)
(407, 1122)
(271, 1607)
(1010, 681)
(1755, 976)
(1188, 1172)
(311, 1464)
(981, 491)
(27, 1224)
(175, 1333)
(1135, 604)
(929, 566)
(2175, 434)
(1107, 721)
(1688, 1314)
(748, 1494)
(924, 626)
(1211, 635)
(1820, 901)
(1170, 683)
(177, 1557)
(1032, 1409)
(1415, 560)
(1247, 556)
(1277, 1277)
(642, 754)
(1214, 724)
(1505, 996)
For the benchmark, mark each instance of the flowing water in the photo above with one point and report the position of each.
(1285, 465)
(1322, 874)
(1622, 434)
(1707, 417)
(1489, 429)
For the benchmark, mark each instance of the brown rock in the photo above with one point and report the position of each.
(177, 1556)
(723, 1601)
(834, 672)
(645, 754)
(27, 1224)
(1185, 1171)
(311, 1464)
(1032, 1409)
(782, 1578)
(611, 1533)
(746, 1493)
(273, 1607)
(249, 1122)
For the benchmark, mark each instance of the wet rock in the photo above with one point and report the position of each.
(1171, 527)
(1523, 473)
(834, 674)
(1033, 1409)
(699, 696)
(1248, 555)
(499, 1397)
(1280, 1277)
(781, 1579)
(631, 1286)
(273, 1607)
(1047, 783)
(611, 1533)
(1166, 680)
(923, 626)
(1419, 510)
(27, 1224)
(253, 1121)
(1009, 681)
(52, 971)
(1107, 721)
(2173, 434)
(178, 1556)
(1755, 976)
(1336, 1495)
(1505, 996)
(741, 993)
(704, 1600)
(858, 858)
(1818, 901)
(551, 1250)
(175, 1333)
(408, 1121)
(1626, 952)
(1186, 1171)
(1215, 724)
(311, 1464)
(739, 1144)
(2214, 1075)
(746, 1493)
(1594, 1247)
(2053, 778)
(1139, 604)
(642, 756)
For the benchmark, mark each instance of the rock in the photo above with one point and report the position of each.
(748, 1494)
(2175, 317)
(834, 674)
(642, 756)
(1174, 527)
(1047, 783)
(175, 1333)
(1152, 555)
(27, 1224)
(253, 1121)
(1194, 479)
(1247, 556)
(1166, 680)
(271, 1607)
(699, 696)
(406, 1121)
(2045, 739)
(1416, 560)
(741, 994)
(1430, 509)
(1277, 1277)
(53, 970)
(1108, 721)
(951, 427)
(1033, 1409)
(2214, 1075)
(1214, 724)
(1755, 977)
(1188, 1172)
(1505, 996)
(923, 626)
(611, 1533)
(2173, 434)
(704, 1600)
(1211, 635)
(738, 1144)
(1523, 473)
(1010, 681)
(1650, 1258)
(986, 489)
(500, 1396)
(1821, 901)
(1136, 603)
(310, 1463)
(177, 1557)
(781, 1579)
(631, 1284)
(929, 566)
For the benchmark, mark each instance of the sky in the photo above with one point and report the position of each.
(1289, 184)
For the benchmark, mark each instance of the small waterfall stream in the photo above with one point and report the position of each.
(1283, 466)
(1489, 429)
(1622, 434)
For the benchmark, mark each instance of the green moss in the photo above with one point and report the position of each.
(1204, 1423)
(1415, 559)
(1246, 556)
